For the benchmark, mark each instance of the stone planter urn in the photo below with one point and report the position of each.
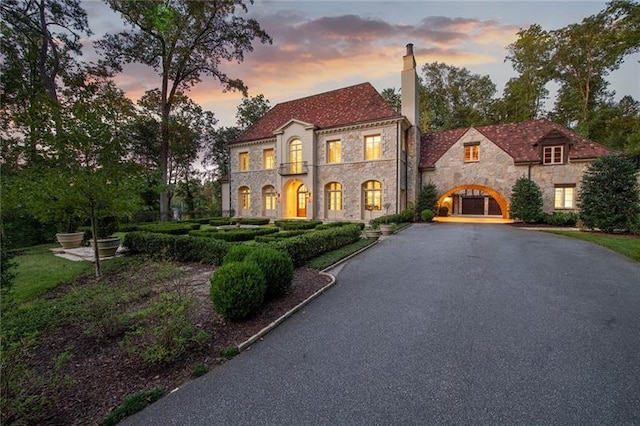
(372, 233)
(70, 240)
(107, 247)
(386, 229)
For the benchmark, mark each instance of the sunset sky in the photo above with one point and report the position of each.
(324, 45)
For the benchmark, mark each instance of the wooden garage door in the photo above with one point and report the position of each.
(494, 207)
(473, 205)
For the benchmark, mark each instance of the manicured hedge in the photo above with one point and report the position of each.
(297, 224)
(253, 220)
(305, 247)
(220, 221)
(234, 235)
(279, 236)
(169, 228)
(176, 247)
(336, 224)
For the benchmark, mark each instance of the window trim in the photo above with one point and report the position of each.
(338, 144)
(334, 196)
(472, 152)
(563, 188)
(272, 157)
(245, 197)
(242, 166)
(375, 143)
(269, 193)
(366, 191)
(552, 149)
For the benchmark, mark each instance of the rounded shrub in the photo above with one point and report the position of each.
(407, 215)
(237, 253)
(443, 211)
(426, 215)
(277, 268)
(237, 289)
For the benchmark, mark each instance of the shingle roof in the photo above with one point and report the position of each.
(519, 140)
(351, 105)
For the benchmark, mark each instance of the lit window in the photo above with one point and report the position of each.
(372, 147)
(244, 161)
(269, 197)
(269, 162)
(564, 197)
(471, 153)
(552, 155)
(334, 152)
(334, 196)
(245, 198)
(372, 195)
(295, 156)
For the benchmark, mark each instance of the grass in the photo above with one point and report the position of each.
(624, 244)
(325, 260)
(39, 270)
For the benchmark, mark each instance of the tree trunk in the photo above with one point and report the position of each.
(164, 152)
(94, 232)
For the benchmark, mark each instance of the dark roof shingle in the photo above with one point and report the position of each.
(519, 140)
(351, 105)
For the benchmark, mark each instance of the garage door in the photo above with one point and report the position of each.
(473, 205)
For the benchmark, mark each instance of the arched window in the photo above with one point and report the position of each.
(295, 156)
(372, 195)
(244, 197)
(334, 196)
(269, 198)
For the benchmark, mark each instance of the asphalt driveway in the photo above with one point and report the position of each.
(442, 324)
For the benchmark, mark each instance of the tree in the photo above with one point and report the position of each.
(530, 56)
(393, 97)
(182, 41)
(428, 198)
(610, 194)
(585, 53)
(617, 126)
(250, 110)
(453, 97)
(526, 200)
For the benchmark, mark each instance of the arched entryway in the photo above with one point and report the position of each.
(475, 200)
(295, 198)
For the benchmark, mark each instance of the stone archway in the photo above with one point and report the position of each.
(500, 199)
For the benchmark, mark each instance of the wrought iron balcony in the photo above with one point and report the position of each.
(288, 169)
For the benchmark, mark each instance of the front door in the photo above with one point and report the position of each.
(302, 201)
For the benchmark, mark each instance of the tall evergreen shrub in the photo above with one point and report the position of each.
(526, 200)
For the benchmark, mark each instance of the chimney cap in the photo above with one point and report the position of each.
(409, 48)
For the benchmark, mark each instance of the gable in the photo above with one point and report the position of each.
(351, 105)
(521, 141)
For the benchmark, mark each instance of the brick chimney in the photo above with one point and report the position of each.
(410, 90)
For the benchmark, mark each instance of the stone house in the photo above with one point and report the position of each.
(347, 155)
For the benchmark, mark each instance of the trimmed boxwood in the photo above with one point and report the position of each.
(279, 235)
(277, 268)
(234, 235)
(169, 228)
(238, 252)
(220, 221)
(336, 224)
(426, 215)
(176, 247)
(237, 289)
(297, 224)
(305, 247)
(254, 221)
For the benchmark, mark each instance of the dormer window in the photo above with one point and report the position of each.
(471, 152)
(553, 155)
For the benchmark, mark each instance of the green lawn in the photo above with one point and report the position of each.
(626, 245)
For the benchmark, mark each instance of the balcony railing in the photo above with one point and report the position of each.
(288, 169)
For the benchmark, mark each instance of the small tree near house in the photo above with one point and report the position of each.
(610, 195)
(526, 200)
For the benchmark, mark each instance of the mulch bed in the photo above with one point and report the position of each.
(100, 374)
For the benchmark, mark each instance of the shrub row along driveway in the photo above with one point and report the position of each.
(443, 324)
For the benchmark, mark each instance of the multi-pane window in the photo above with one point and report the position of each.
(295, 156)
(269, 197)
(564, 197)
(334, 196)
(334, 152)
(372, 147)
(268, 159)
(552, 155)
(372, 195)
(471, 153)
(244, 161)
(245, 198)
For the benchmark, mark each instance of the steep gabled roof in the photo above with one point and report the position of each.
(520, 140)
(351, 105)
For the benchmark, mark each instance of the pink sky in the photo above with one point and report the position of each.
(324, 45)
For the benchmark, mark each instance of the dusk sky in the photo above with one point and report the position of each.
(324, 45)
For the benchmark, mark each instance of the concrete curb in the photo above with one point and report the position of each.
(244, 345)
(247, 343)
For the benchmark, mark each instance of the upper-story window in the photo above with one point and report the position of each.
(471, 152)
(268, 159)
(295, 156)
(552, 155)
(372, 147)
(244, 161)
(334, 152)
